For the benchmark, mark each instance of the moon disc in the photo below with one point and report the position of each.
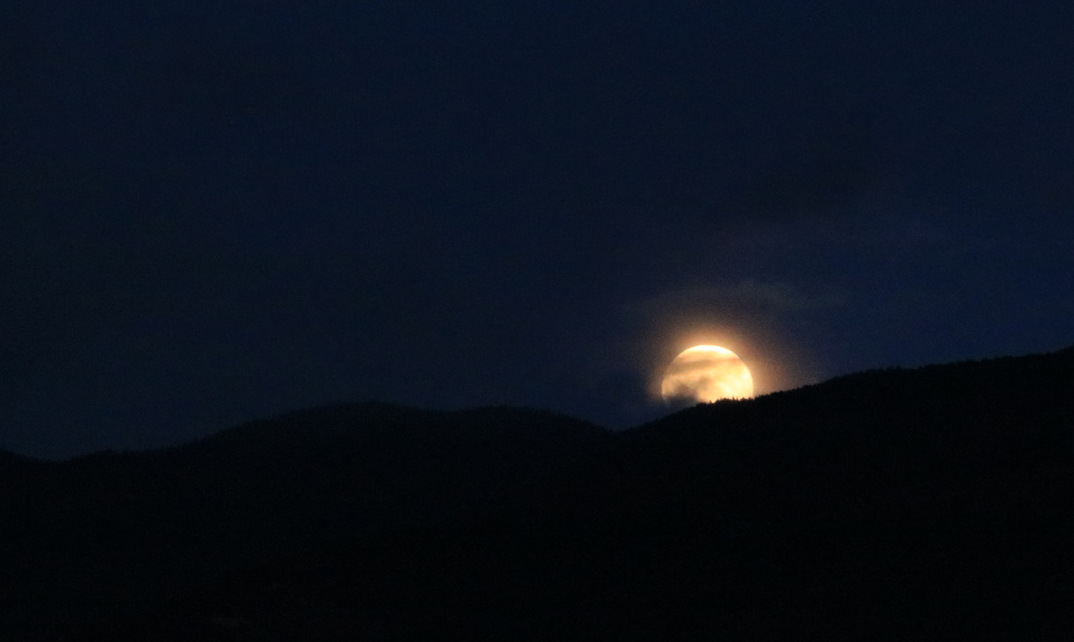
(705, 374)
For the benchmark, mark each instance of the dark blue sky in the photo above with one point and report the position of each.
(215, 211)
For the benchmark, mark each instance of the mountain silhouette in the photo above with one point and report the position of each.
(124, 528)
(932, 503)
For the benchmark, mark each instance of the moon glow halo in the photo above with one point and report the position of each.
(705, 374)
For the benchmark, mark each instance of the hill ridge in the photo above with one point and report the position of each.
(879, 492)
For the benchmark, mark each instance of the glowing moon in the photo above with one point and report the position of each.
(706, 373)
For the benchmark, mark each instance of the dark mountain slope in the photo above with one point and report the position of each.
(84, 535)
(898, 504)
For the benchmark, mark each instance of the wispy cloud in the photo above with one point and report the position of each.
(748, 295)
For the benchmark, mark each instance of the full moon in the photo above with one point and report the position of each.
(705, 374)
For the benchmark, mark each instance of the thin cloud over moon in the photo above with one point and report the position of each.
(706, 373)
(761, 321)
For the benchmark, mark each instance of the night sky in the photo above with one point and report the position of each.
(215, 211)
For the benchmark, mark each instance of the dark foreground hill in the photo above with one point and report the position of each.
(899, 504)
(113, 532)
